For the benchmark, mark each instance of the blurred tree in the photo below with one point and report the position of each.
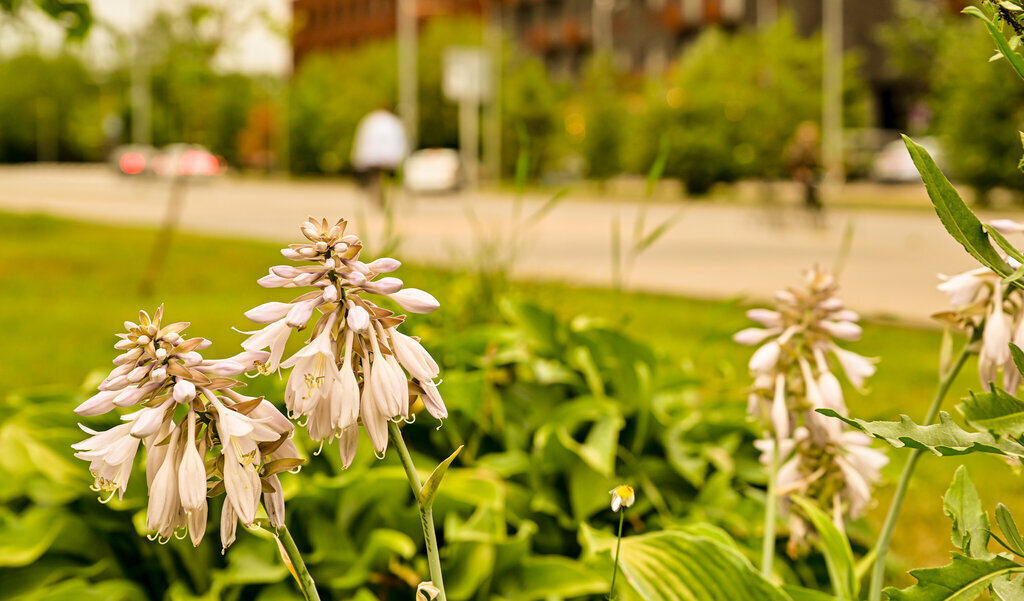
(75, 16)
(531, 111)
(733, 103)
(604, 119)
(53, 111)
(968, 98)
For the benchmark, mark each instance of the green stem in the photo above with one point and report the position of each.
(771, 504)
(299, 567)
(885, 536)
(618, 545)
(426, 513)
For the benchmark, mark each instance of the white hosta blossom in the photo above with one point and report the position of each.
(980, 301)
(356, 367)
(795, 365)
(838, 472)
(218, 442)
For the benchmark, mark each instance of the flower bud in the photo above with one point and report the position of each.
(387, 285)
(358, 318)
(184, 391)
(268, 312)
(384, 265)
(415, 300)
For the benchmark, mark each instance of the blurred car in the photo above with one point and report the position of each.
(133, 159)
(433, 170)
(893, 163)
(187, 160)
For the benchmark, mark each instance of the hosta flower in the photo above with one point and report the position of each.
(795, 364)
(202, 438)
(622, 496)
(981, 302)
(794, 372)
(356, 366)
(836, 468)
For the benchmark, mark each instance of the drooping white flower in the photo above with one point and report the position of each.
(622, 496)
(111, 455)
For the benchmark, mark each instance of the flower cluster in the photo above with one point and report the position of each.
(356, 365)
(794, 372)
(201, 436)
(982, 303)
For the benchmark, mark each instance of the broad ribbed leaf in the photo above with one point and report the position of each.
(963, 580)
(943, 438)
(996, 411)
(959, 221)
(546, 576)
(1016, 353)
(798, 593)
(970, 522)
(675, 566)
(836, 548)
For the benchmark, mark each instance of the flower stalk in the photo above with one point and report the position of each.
(771, 505)
(294, 561)
(426, 511)
(885, 536)
(618, 545)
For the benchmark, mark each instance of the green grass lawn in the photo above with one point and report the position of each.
(66, 287)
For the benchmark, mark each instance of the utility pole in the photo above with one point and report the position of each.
(141, 97)
(493, 43)
(832, 92)
(408, 85)
(767, 12)
(602, 25)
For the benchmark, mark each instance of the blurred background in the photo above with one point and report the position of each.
(594, 190)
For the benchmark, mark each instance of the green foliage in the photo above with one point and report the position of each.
(679, 565)
(75, 16)
(944, 438)
(836, 549)
(530, 117)
(733, 104)
(963, 580)
(957, 218)
(970, 522)
(605, 119)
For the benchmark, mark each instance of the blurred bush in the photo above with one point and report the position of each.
(732, 103)
(960, 97)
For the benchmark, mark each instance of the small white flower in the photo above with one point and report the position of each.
(415, 300)
(275, 337)
(622, 496)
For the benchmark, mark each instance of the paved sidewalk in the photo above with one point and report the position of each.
(713, 251)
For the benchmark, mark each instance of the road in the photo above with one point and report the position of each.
(712, 251)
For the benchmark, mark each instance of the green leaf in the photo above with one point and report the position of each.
(996, 411)
(434, 481)
(944, 438)
(1016, 353)
(958, 220)
(970, 522)
(799, 593)
(1005, 589)
(547, 207)
(963, 580)
(25, 537)
(677, 566)
(1004, 46)
(1011, 536)
(836, 548)
(1003, 243)
(547, 576)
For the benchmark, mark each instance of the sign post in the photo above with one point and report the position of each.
(467, 80)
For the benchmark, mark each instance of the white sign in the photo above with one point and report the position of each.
(467, 74)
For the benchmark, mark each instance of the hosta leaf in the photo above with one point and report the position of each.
(1005, 589)
(799, 593)
(963, 580)
(943, 438)
(1011, 536)
(958, 220)
(836, 548)
(970, 522)
(996, 411)
(676, 566)
(543, 577)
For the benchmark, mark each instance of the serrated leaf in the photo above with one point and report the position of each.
(836, 548)
(944, 438)
(434, 481)
(1003, 243)
(1005, 589)
(996, 411)
(958, 220)
(1011, 536)
(970, 522)
(963, 580)
(1004, 47)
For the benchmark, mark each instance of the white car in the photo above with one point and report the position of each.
(893, 162)
(433, 170)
